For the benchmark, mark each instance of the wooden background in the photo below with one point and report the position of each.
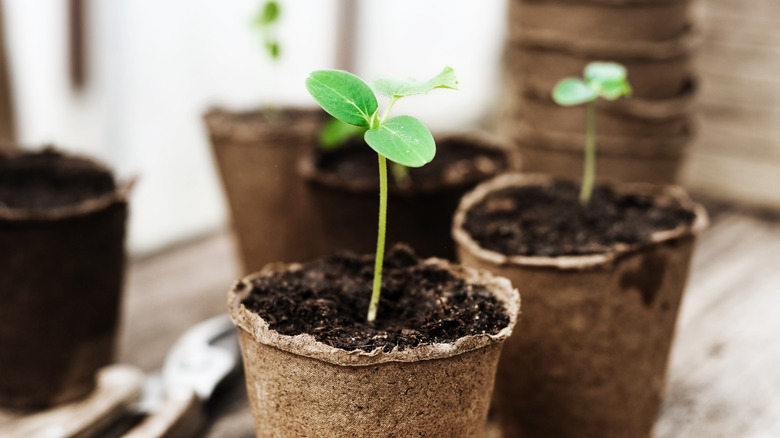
(737, 154)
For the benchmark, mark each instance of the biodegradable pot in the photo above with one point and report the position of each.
(597, 329)
(656, 70)
(419, 214)
(656, 160)
(257, 153)
(599, 20)
(60, 275)
(304, 388)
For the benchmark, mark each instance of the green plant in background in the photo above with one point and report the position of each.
(602, 79)
(403, 139)
(265, 22)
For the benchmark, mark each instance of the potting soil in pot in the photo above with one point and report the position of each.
(420, 304)
(47, 180)
(550, 221)
(455, 162)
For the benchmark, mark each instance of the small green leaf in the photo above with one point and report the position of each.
(403, 139)
(605, 72)
(608, 79)
(572, 91)
(614, 90)
(343, 95)
(268, 14)
(400, 88)
(335, 133)
(273, 49)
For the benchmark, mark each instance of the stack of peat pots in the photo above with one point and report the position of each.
(642, 138)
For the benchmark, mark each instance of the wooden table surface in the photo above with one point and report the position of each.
(724, 376)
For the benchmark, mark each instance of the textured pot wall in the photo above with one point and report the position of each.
(270, 205)
(60, 293)
(298, 396)
(591, 359)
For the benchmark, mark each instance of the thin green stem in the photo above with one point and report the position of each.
(380, 240)
(387, 110)
(589, 163)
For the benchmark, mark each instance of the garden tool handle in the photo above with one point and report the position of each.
(180, 416)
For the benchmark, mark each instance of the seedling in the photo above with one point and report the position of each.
(602, 79)
(265, 22)
(403, 139)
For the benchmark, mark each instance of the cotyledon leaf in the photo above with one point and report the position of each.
(403, 139)
(343, 95)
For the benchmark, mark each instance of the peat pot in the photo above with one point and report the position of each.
(257, 153)
(345, 187)
(591, 359)
(62, 230)
(299, 386)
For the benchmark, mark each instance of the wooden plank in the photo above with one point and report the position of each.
(738, 178)
(723, 373)
(174, 290)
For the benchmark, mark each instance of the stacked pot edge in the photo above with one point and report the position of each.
(654, 40)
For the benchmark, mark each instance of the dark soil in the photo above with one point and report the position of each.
(329, 298)
(550, 221)
(47, 179)
(456, 162)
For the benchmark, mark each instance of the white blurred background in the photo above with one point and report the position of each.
(154, 67)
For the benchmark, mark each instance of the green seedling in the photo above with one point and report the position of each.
(265, 22)
(602, 79)
(403, 139)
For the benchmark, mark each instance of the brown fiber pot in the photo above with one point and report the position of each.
(257, 153)
(419, 214)
(61, 278)
(303, 388)
(591, 359)
(653, 160)
(656, 69)
(647, 21)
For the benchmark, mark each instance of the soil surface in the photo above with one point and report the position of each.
(48, 179)
(550, 221)
(456, 162)
(420, 304)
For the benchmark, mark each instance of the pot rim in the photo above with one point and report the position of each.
(481, 140)
(615, 3)
(609, 145)
(227, 126)
(306, 345)
(666, 194)
(651, 110)
(682, 45)
(119, 195)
